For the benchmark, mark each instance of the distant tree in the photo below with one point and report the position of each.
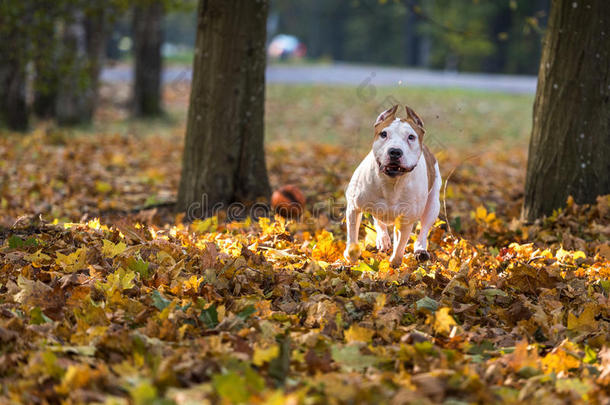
(81, 57)
(14, 18)
(224, 158)
(569, 151)
(148, 38)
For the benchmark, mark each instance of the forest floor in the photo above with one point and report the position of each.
(107, 296)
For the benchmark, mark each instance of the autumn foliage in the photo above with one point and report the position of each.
(103, 300)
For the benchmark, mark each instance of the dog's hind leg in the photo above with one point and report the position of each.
(427, 220)
(402, 231)
(352, 218)
(383, 241)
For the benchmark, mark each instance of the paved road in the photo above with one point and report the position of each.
(359, 75)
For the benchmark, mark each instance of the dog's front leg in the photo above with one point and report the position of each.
(402, 231)
(352, 218)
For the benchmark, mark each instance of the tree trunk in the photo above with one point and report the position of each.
(148, 38)
(45, 59)
(13, 107)
(569, 150)
(224, 159)
(81, 61)
(14, 20)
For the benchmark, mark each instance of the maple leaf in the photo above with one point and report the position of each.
(356, 333)
(443, 321)
(75, 261)
(111, 250)
(586, 320)
(559, 360)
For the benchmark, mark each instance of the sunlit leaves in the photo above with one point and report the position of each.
(74, 261)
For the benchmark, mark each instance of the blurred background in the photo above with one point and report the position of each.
(107, 84)
(493, 36)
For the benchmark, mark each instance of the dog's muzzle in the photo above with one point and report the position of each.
(394, 169)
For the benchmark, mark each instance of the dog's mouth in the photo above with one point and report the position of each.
(394, 169)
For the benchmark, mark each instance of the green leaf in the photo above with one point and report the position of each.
(279, 368)
(230, 386)
(15, 242)
(37, 317)
(590, 355)
(209, 317)
(139, 266)
(350, 358)
(427, 303)
(246, 312)
(159, 301)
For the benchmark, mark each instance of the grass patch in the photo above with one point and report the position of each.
(344, 115)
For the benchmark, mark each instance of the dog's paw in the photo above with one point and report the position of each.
(383, 242)
(352, 252)
(396, 261)
(422, 255)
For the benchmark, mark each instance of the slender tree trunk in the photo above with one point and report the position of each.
(45, 59)
(569, 150)
(224, 158)
(13, 106)
(14, 40)
(148, 38)
(412, 39)
(83, 41)
(96, 31)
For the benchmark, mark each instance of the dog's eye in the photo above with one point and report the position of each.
(411, 137)
(383, 134)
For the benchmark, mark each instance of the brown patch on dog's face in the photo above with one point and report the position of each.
(385, 119)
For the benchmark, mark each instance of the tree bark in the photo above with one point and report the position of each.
(13, 106)
(148, 38)
(224, 159)
(569, 151)
(14, 37)
(83, 41)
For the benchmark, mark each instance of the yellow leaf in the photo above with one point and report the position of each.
(371, 236)
(74, 261)
(443, 321)
(562, 254)
(262, 356)
(579, 254)
(37, 257)
(356, 333)
(380, 301)
(326, 248)
(559, 360)
(110, 249)
(586, 320)
(77, 376)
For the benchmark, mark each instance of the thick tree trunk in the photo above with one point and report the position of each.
(569, 150)
(148, 38)
(224, 159)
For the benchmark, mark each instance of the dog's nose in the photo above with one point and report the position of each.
(395, 153)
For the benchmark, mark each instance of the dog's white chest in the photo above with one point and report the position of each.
(387, 199)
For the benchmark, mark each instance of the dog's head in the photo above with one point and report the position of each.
(398, 141)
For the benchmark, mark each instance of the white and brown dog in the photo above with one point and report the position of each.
(398, 182)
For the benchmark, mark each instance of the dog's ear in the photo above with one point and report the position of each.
(412, 115)
(389, 113)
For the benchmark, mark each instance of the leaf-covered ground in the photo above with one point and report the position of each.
(105, 300)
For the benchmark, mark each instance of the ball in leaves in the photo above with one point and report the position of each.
(288, 201)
